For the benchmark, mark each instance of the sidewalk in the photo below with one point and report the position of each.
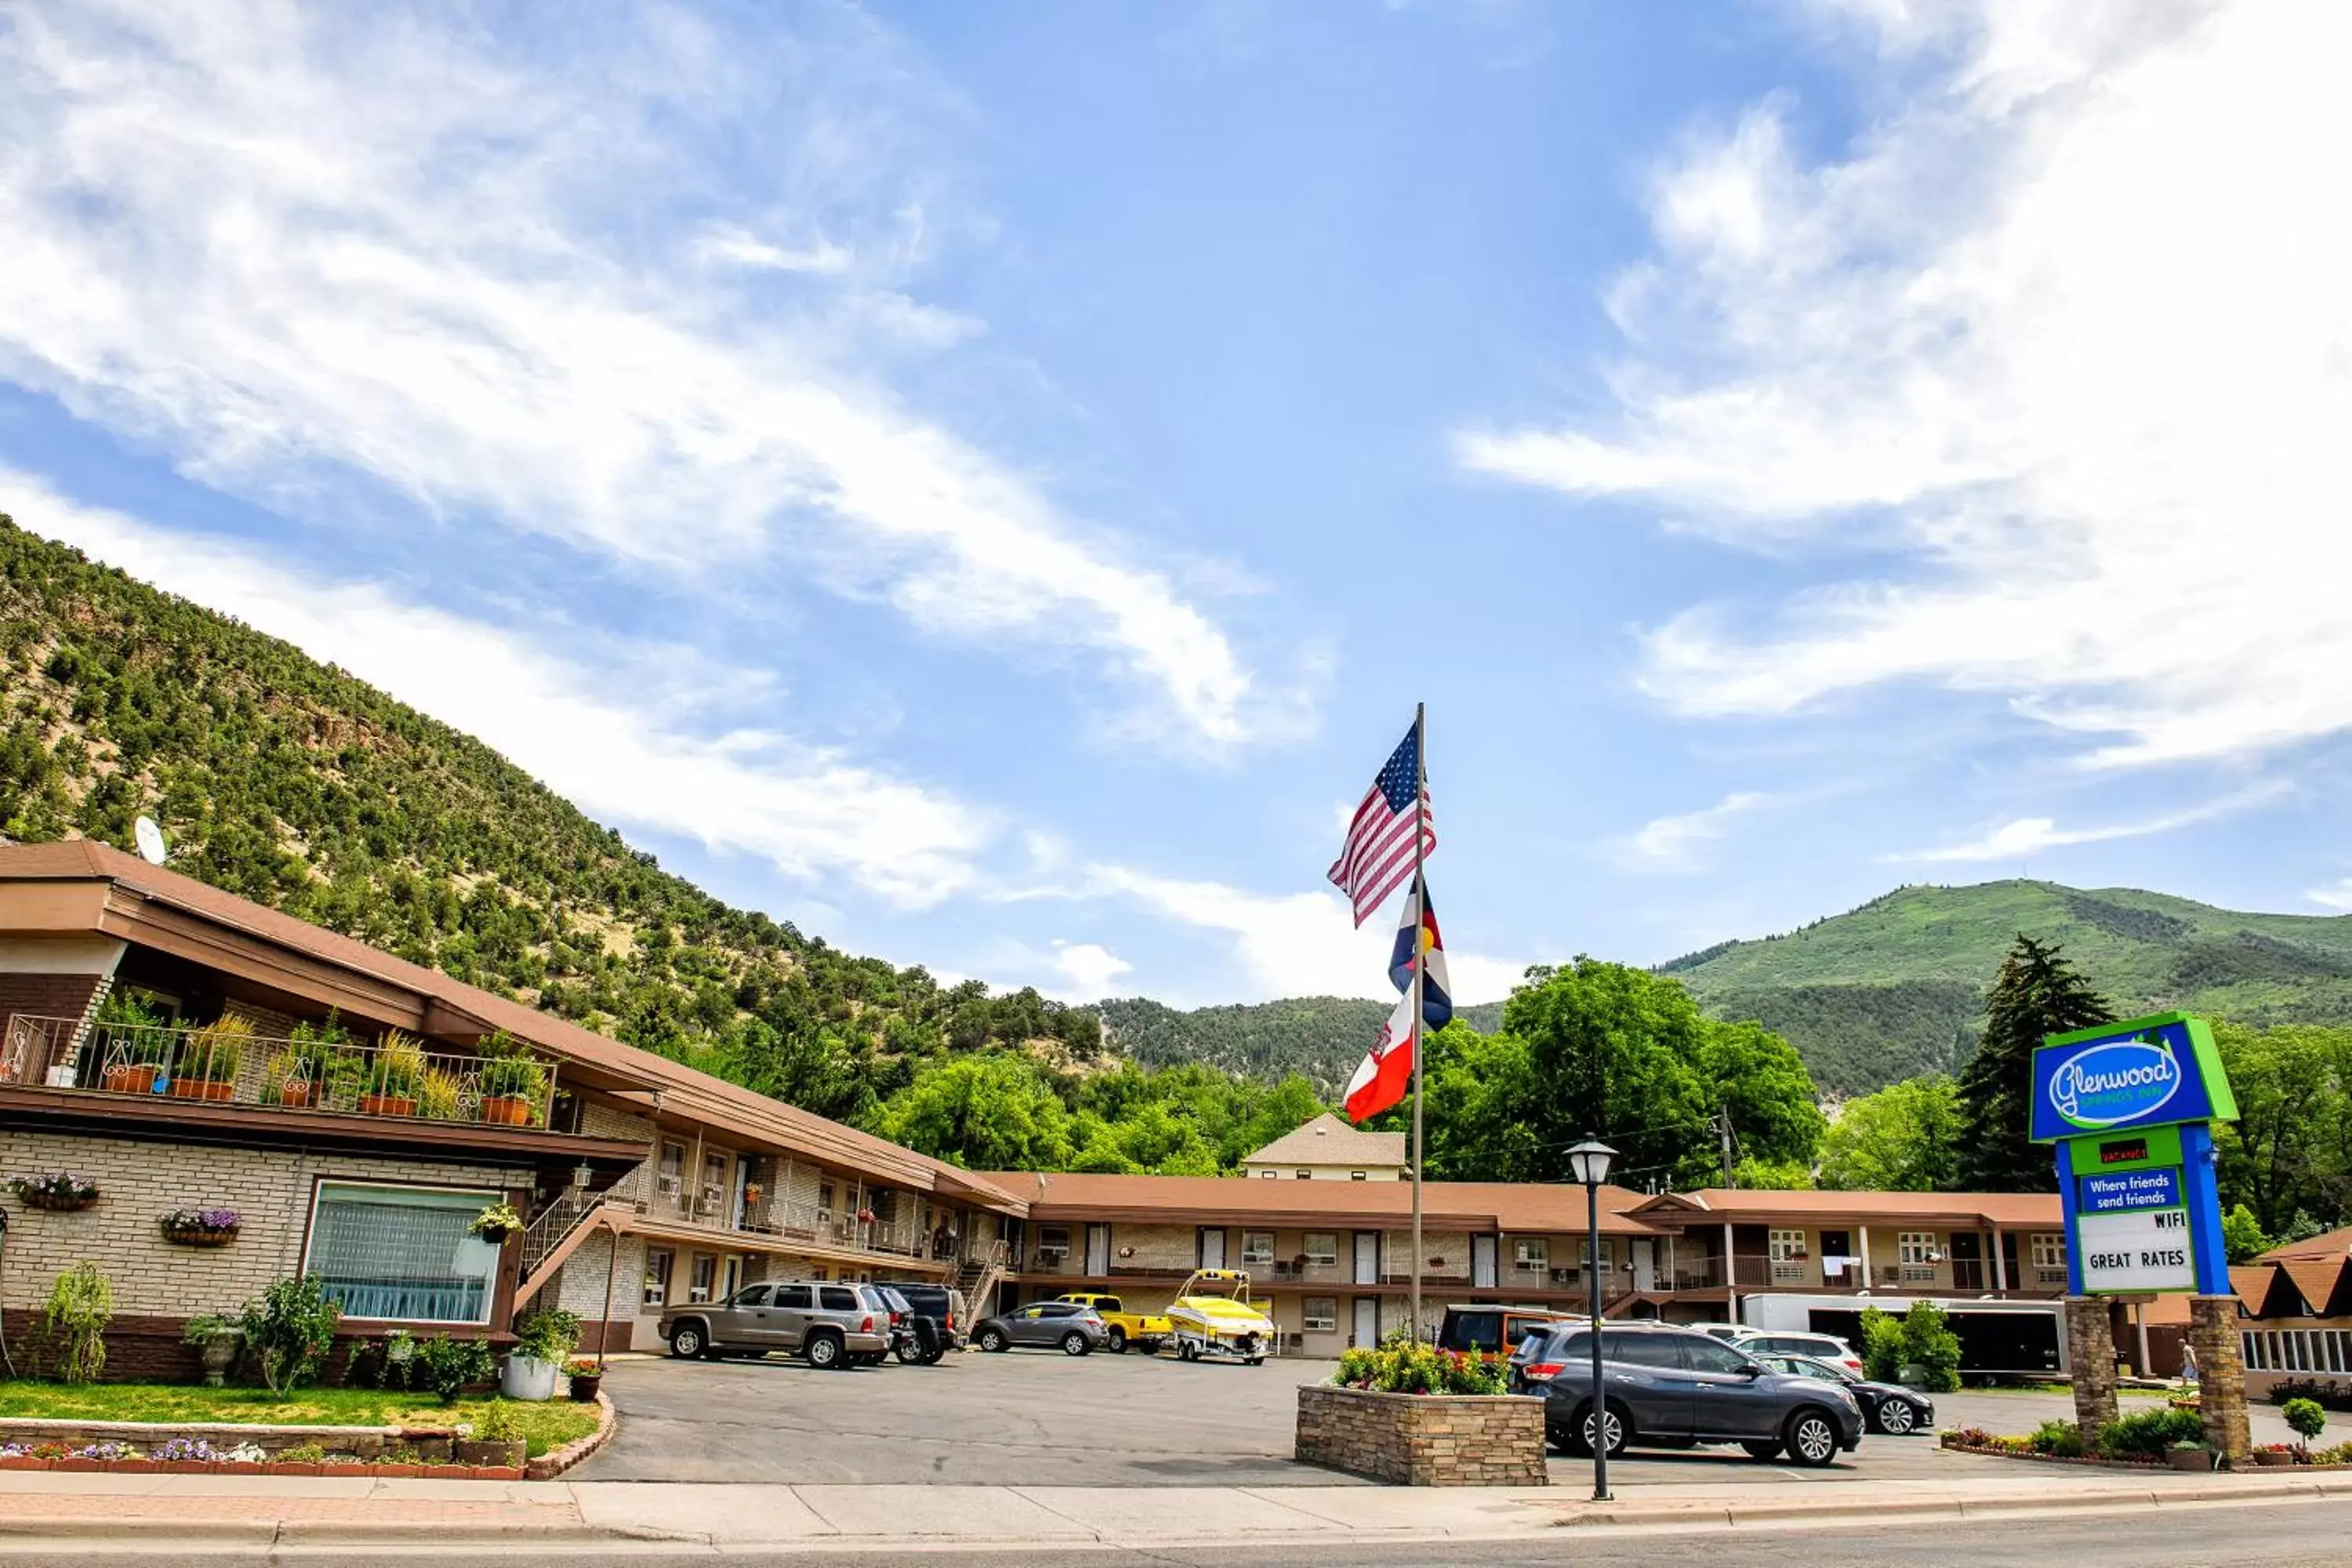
(261, 1510)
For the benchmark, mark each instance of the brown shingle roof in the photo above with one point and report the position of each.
(2010, 1211)
(2327, 1244)
(1327, 1140)
(683, 1090)
(1446, 1206)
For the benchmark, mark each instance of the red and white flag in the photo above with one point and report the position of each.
(1385, 1074)
(1378, 858)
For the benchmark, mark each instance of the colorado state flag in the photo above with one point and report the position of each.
(1436, 992)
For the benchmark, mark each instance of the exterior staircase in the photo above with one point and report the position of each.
(553, 1235)
(979, 1275)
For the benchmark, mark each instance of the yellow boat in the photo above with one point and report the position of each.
(1213, 1319)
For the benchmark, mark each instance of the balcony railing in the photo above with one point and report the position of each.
(226, 1065)
(776, 1219)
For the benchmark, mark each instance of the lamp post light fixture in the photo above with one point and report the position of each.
(1589, 1161)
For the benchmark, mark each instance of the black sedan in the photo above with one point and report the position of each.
(1887, 1408)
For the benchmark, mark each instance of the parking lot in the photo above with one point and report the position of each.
(1033, 1418)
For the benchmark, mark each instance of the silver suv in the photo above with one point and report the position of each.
(830, 1324)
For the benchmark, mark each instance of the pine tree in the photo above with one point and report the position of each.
(2038, 993)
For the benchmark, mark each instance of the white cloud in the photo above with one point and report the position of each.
(1298, 944)
(1089, 970)
(1672, 843)
(815, 814)
(290, 248)
(2068, 330)
(2338, 896)
(2026, 836)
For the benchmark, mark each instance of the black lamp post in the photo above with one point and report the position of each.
(1590, 1163)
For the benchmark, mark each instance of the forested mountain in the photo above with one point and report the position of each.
(297, 785)
(1895, 988)
(1320, 1038)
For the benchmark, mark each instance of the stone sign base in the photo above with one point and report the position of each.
(1425, 1439)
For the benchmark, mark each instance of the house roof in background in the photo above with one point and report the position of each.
(2327, 1244)
(1744, 1206)
(1327, 1140)
(1238, 1200)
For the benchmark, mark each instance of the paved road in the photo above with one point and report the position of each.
(1040, 1418)
(2292, 1535)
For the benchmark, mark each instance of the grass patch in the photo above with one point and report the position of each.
(545, 1426)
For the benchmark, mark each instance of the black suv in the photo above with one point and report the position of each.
(938, 1329)
(1672, 1388)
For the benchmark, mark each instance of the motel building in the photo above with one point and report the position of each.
(359, 1111)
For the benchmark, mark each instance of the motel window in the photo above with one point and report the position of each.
(698, 1282)
(1787, 1245)
(2049, 1251)
(1530, 1253)
(1584, 1253)
(2250, 1349)
(823, 1203)
(1304, 1175)
(1257, 1247)
(1915, 1247)
(404, 1254)
(658, 1263)
(672, 1181)
(1360, 1175)
(1053, 1242)
(1269, 1175)
(1322, 1314)
(1322, 1247)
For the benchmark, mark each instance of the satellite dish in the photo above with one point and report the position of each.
(151, 840)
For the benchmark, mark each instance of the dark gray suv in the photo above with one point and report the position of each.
(1672, 1388)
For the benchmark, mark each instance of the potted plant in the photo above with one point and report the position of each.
(60, 1192)
(585, 1377)
(543, 1341)
(217, 1341)
(2190, 1456)
(497, 1223)
(494, 1439)
(135, 1044)
(201, 1227)
(439, 1095)
(393, 1077)
(208, 1065)
(513, 1081)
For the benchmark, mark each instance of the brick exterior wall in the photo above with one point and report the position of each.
(159, 1286)
(1423, 1440)
(45, 996)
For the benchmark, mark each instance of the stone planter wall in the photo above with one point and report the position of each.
(1424, 1440)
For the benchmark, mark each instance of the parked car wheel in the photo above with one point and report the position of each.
(1811, 1440)
(685, 1342)
(935, 1355)
(911, 1354)
(824, 1352)
(1075, 1343)
(1767, 1451)
(1896, 1417)
(1616, 1430)
(1117, 1341)
(992, 1338)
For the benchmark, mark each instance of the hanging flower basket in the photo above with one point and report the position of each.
(497, 1223)
(60, 1192)
(201, 1227)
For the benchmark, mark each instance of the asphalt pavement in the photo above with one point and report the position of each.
(1042, 1418)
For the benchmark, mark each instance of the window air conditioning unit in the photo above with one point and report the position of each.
(1563, 1276)
(670, 1187)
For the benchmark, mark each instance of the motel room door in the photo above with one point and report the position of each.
(1212, 1247)
(1645, 1264)
(1366, 1328)
(1098, 1251)
(1482, 1262)
(1367, 1263)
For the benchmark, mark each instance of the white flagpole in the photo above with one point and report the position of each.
(1420, 963)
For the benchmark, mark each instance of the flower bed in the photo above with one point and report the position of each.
(1419, 1416)
(201, 1457)
(1975, 1440)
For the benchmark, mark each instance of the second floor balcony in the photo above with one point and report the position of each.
(227, 1062)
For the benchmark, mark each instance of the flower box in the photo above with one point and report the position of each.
(1423, 1439)
(201, 1089)
(55, 1203)
(294, 1093)
(506, 1110)
(387, 1105)
(190, 1235)
(137, 1079)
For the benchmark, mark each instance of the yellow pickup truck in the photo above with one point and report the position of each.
(1140, 1330)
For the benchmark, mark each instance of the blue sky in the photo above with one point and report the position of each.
(990, 483)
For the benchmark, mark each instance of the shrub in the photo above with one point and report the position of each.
(2304, 1418)
(302, 1454)
(2149, 1433)
(1403, 1365)
(289, 1329)
(551, 1334)
(454, 1365)
(1930, 1343)
(1882, 1345)
(2062, 1439)
(497, 1424)
(73, 1322)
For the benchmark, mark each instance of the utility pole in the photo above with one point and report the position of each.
(1723, 1126)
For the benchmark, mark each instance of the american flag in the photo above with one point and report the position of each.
(1377, 857)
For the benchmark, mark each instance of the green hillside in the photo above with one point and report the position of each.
(292, 784)
(1320, 1038)
(1895, 987)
